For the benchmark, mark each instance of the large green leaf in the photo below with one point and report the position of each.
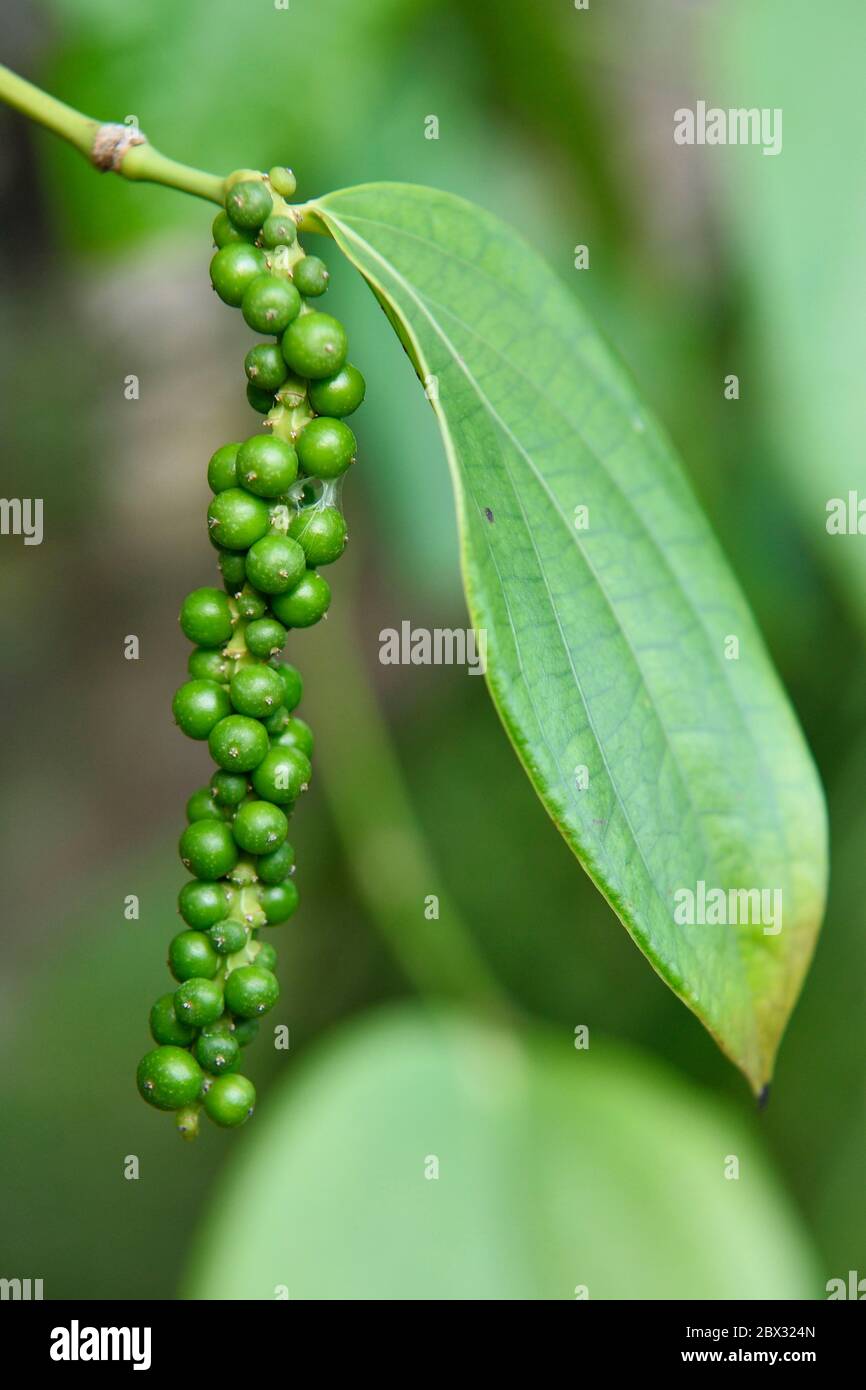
(609, 647)
(556, 1169)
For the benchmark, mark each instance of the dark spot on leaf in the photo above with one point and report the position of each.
(488, 513)
(764, 1097)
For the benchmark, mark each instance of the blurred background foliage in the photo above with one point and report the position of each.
(703, 262)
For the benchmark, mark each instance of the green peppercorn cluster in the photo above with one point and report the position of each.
(275, 521)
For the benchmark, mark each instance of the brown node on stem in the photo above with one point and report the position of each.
(110, 144)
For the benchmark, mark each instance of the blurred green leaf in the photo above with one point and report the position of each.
(554, 97)
(798, 225)
(556, 1168)
(607, 634)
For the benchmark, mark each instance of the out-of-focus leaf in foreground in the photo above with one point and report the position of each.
(622, 657)
(428, 1156)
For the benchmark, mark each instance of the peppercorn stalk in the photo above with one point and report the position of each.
(274, 523)
(275, 520)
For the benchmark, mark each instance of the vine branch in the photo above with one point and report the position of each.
(121, 149)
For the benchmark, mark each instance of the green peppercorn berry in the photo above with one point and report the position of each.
(321, 532)
(203, 904)
(293, 686)
(251, 604)
(267, 466)
(169, 1078)
(277, 865)
(279, 901)
(282, 775)
(282, 181)
(201, 806)
(190, 954)
(246, 1030)
(266, 636)
(259, 399)
(208, 664)
(224, 231)
(266, 956)
(310, 276)
(275, 564)
(276, 722)
(228, 788)
(228, 936)
(222, 469)
(233, 269)
(217, 1053)
(266, 367)
(236, 520)
(233, 569)
(165, 1026)
(326, 447)
(279, 230)
(207, 847)
(296, 734)
(314, 345)
(199, 1001)
(305, 604)
(230, 1101)
(248, 204)
(251, 990)
(205, 617)
(270, 304)
(237, 744)
(260, 827)
(222, 1027)
(256, 690)
(198, 705)
(340, 394)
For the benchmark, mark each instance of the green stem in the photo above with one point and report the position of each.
(146, 164)
(309, 220)
(140, 162)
